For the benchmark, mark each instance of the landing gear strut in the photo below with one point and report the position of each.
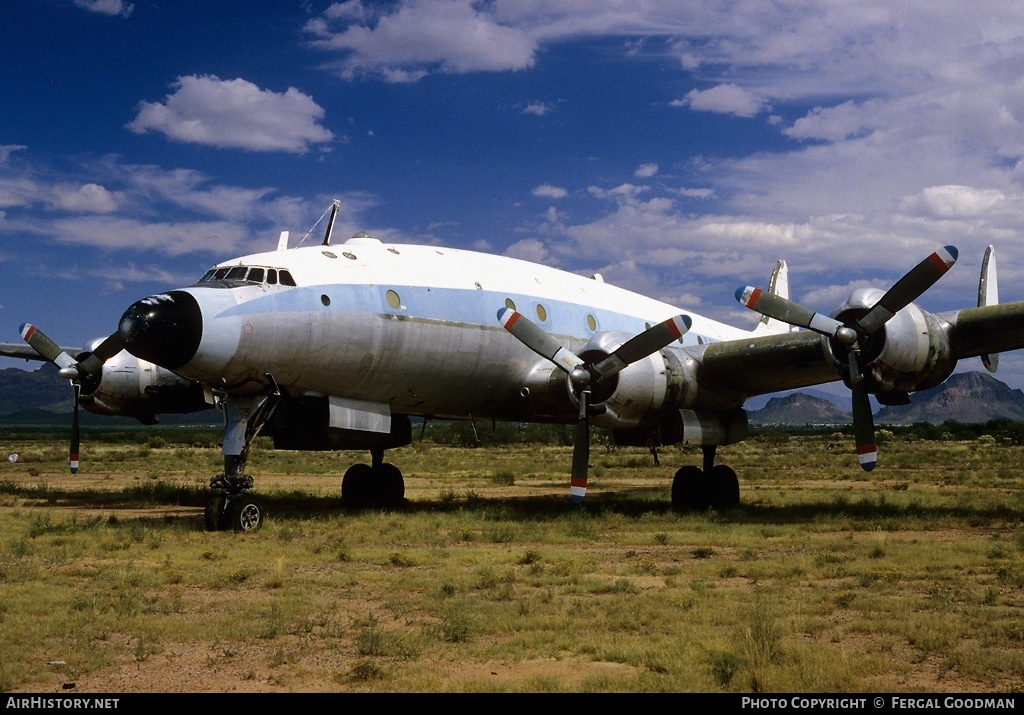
(373, 485)
(713, 487)
(231, 507)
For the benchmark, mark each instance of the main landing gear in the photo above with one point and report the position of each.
(713, 487)
(373, 485)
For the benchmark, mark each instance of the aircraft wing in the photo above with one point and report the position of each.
(770, 363)
(25, 352)
(988, 329)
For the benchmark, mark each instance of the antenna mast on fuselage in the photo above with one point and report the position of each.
(330, 223)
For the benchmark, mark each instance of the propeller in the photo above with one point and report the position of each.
(584, 374)
(87, 371)
(856, 334)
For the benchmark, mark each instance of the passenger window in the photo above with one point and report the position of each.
(255, 275)
(286, 278)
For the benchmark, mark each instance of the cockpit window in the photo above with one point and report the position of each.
(249, 274)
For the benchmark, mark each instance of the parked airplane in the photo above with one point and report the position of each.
(329, 347)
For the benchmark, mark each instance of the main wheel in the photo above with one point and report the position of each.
(725, 488)
(214, 516)
(357, 486)
(388, 486)
(690, 490)
(244, 513)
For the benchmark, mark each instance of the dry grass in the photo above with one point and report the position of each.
(824, 579)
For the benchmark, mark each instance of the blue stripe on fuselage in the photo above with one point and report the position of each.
(450, 305)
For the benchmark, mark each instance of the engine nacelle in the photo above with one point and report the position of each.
(131, 387)
(626, 397)
(911, 352)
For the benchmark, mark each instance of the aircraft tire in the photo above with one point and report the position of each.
(244, 514)
(690, 490)
(724, 488)
(357, 486)
(214, 515)
(389, 486)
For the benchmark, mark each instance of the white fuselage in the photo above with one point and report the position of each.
(411, 326)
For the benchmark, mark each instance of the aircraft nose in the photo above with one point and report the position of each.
(164, 329)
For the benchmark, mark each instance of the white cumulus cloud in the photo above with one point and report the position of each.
(537, 108)
(550, 192)
(723, 99)
(645, 171)
(955, 201)
(87, 198)
(107, 7)
(455, 36)
(235, 114)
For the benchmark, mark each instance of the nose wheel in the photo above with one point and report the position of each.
(240, 513)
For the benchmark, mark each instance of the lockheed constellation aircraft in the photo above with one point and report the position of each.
(336, 346)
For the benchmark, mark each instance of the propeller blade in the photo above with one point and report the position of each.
(110, 347)
(775, 306)
(863, 421)
(73, 461)
(74, 371)
(646, 343)
(581, 452)
(39, 342)
(533, 337)
(909, 288)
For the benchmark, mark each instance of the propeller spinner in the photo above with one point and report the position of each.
(860, 331)
(78, 372)
(583, 374)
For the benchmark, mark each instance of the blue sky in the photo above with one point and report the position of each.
(678, 147)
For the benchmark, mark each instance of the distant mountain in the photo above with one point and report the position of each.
(759, 402)
(41, 388)
(969, 397)
(800, 409)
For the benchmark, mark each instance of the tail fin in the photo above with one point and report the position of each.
(779, 285)
(988, 294)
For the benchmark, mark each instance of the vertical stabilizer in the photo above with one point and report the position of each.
(779, 285)
(988, 294)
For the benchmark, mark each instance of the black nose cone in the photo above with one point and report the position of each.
(164, 329)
